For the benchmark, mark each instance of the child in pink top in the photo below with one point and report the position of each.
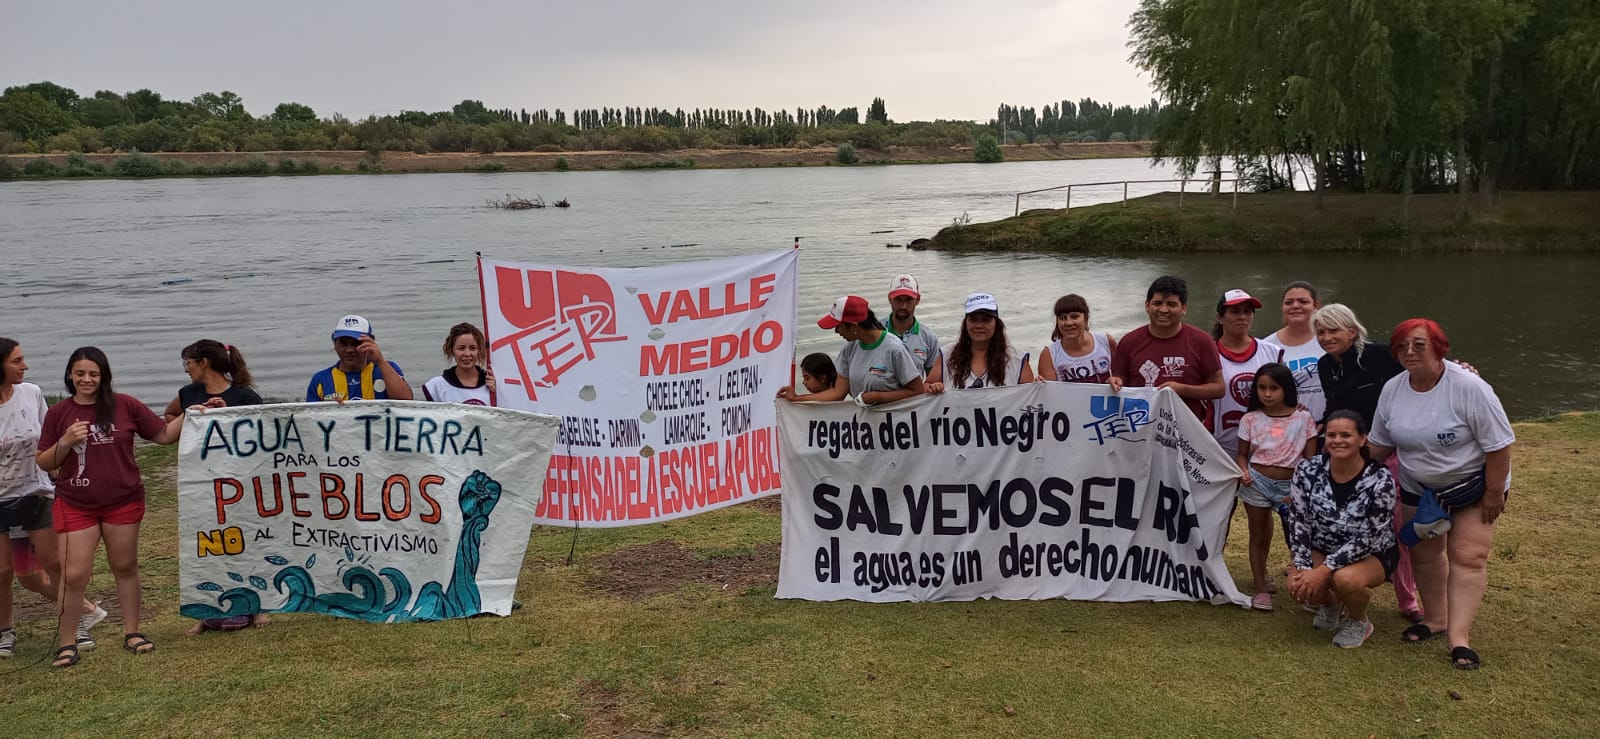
(1274, 435)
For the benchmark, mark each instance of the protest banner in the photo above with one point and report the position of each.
(382, 510)
(663, 378)
(1047, 490)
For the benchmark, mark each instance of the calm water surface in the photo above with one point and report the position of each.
(143, 268)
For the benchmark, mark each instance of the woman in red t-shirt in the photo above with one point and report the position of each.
(88, 441)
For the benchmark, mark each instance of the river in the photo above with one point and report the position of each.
(142, 268)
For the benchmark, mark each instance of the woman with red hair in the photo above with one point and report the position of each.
(1455, 443)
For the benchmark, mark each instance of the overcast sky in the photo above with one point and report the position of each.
(928, 59)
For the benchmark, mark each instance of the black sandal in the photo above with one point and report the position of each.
(1417, 634)
(1465, 659)
(132, 642)
(68, 653)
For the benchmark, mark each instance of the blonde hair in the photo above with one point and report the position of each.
(1336, 316)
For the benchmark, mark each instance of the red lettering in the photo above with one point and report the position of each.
(760, 288)
(422, 490)
(333, 490)
(261, 499)
(296, 496)
(390, 512)
(224, 501)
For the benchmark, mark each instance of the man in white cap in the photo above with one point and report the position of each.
(904, 296)
(361, 372)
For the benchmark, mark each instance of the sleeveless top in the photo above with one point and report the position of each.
(1092, 367)
(1238, 375)
(1012, 372)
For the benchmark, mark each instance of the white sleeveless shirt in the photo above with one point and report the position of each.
(1092, 367)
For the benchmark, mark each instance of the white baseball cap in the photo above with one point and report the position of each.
(353, 327)
(904, 285)
(1239, 297)
(982, 301)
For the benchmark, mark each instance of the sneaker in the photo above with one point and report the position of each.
(85, 640)
(91, 619)
(1262, 601)
(8, 643)
(1353, 633)
(1327, 618)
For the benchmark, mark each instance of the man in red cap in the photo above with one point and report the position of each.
(919, 339)
(874, 365)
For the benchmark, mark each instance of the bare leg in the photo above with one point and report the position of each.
(1260, 543)
(77, 565)
(1432, 569)
(1470, 538)
(47, 547)
(122, 553)
(6, 573)
(1354, 583)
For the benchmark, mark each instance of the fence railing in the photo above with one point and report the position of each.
(1182, 187)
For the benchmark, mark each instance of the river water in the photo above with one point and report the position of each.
(142, 268)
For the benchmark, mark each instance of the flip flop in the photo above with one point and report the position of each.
(1463, 658)
(1417, 633)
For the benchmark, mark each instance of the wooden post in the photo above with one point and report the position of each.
(1182, 184)
(1124, 193)
(1069, 197)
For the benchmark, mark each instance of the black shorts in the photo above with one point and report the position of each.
(29, 513)
(1390, 559)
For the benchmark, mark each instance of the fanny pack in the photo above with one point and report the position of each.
(1462, 494)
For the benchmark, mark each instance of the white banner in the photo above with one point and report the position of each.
(663, 378)
(1050, 490)
(382, 511)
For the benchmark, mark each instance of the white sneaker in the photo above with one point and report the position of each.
(1353, 633)
(1327, 617)
(8, 643)
(91, 619)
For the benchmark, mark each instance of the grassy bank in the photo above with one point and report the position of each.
(1265, 221)
(672, 630)
(202, 164)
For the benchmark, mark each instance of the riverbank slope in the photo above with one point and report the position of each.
(1535, 221)
(327, 162)
(672, 629)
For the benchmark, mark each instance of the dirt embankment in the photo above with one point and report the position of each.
(530, 161)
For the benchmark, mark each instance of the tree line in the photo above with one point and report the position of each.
(1469, 96)
(44, 117)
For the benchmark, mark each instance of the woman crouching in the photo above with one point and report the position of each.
(1341, 530)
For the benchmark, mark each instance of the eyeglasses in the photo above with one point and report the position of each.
(1415, 347)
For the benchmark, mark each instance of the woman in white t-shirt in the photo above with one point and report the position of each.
(1298, 341)
(464, 381)
(26, 493)
(875, 366)
(1454, 443)
(982, 357)
(1076, 354)
(1241, 356)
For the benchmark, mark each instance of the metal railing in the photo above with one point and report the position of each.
(1182, 187)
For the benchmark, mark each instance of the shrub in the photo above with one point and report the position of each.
(256, 164)
(310, 165)
(562, 164)
(287, 166)
(8, 171)
(485, 142)
(987, 150)
(176, 167)
(684, 163)
(491, 167)
(138, 165)
(1117, 136)
(847, 154)
(39, 168)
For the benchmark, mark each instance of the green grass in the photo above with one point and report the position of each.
(1268, 221)
(705, 661)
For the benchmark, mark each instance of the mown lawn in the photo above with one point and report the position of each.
(714, 654)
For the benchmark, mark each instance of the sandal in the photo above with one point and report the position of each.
(1414, 615)
(1463, 658)
(1417, 633)
(69, 653)
(136, 642)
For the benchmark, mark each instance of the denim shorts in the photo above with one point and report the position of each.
(1264, 492)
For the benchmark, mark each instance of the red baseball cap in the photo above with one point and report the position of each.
(904, 285)
(1239, 297)
(848, 309)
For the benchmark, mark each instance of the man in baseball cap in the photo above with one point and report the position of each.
(904, 296)
(361, 371)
